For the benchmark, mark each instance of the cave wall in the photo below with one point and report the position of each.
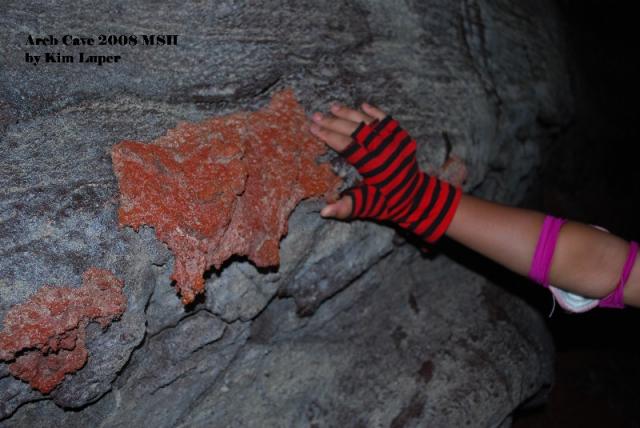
(483, 82)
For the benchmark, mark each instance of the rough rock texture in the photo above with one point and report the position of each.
(45, 336)
(384, 352)
(223, 187)
(375, 356)
(483, 82)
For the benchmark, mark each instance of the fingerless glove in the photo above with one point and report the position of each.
(393, 186)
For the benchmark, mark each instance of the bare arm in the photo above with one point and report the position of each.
(586, 261)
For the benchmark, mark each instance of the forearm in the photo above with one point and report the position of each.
(586, 261)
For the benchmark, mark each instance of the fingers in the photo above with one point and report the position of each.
(335, 130)
(340, 209)
(341, 126)
(333, 139)
(350, 114)
(373, 111)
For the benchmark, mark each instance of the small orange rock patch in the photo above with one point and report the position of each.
(222, 187)
(44, 337)
(454, 171)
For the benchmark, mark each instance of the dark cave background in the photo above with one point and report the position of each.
(590, 174)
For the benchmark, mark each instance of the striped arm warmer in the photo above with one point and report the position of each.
(394, 188)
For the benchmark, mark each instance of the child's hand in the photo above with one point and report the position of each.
(393, 186)
(336, 132)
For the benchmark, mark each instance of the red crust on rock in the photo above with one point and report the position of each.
(222, 187)
(44, 337)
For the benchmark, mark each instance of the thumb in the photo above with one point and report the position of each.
(340, 209)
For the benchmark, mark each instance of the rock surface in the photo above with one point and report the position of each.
(480, 82)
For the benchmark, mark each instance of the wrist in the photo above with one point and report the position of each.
(433, 208)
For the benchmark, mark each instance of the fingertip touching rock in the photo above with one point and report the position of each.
(221, 187)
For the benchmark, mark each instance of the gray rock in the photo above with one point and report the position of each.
(159, 383)
(482, 80)
(395, 348)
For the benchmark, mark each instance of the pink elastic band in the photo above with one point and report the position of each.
(541, 263)
(615, 299)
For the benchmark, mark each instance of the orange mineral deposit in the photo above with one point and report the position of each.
(221, 187)
(43, 338)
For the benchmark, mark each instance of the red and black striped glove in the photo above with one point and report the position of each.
(394, 188)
